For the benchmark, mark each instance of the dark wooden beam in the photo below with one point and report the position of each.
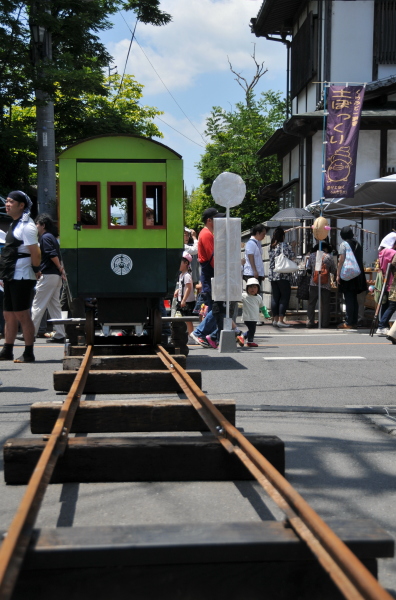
(121, 363)
(144, 458)
(127, 416)
(124, 382)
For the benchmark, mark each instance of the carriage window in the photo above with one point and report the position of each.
(88, 204)
(154, 205)
(121, 202)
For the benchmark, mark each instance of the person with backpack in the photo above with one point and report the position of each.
(327, 267)
(350, 276)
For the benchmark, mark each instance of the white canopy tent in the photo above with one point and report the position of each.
(374, 199)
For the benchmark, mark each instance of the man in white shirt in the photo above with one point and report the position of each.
(19, 268)
(254, 266)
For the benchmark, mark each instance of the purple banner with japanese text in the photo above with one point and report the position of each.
(342, 134)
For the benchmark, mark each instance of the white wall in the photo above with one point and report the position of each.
(295, 155)
(368, 158)
(285, 169)
(352, 41)
(317, 148)
(386, 71)
(391, 162)
(311, 96)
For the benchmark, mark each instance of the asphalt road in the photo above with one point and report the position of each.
(342, 463)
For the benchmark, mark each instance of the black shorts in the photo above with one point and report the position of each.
(18, 294)
(186, 310)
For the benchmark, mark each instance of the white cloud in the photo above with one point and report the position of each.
(199, 39)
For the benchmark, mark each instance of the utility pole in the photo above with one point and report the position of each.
(41, 41)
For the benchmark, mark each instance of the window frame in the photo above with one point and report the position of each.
(133, 185)
(164, 205)
(98, 204)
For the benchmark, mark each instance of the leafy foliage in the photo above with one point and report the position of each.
(195, 204)
(73, 76)
(94, 114)
(236, 136)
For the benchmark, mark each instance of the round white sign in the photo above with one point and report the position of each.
(121, 264)
(228, 189)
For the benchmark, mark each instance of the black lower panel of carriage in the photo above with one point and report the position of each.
(117, 272)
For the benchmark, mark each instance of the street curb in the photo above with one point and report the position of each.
(383, 423)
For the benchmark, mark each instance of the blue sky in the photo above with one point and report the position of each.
(190, 56)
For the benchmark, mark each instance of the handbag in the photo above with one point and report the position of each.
(350, 268)
(284, 264)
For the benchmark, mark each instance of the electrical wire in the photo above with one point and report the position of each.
(167, 89)
(179, 132)
(127, 57)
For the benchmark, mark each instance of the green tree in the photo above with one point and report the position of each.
(119, 111)
(195, 204)
(75, 71)
(236, 136)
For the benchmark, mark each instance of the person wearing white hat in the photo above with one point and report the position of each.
(388, 241)
(385, 257)
(252, 304)
(185, 290)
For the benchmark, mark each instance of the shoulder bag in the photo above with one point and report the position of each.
(350, 268)
(284, 264)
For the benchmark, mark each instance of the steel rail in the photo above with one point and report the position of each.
(350, 576)
(16, 541)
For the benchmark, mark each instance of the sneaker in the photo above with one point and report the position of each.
(280, 324)
(199, 340)
(382, 331)
(252, 345)
(391, 339)
(55, 340)
(191, 341)
(211, 342)
(240, 340)
(29, 358)
(274, 323)
(259, 323)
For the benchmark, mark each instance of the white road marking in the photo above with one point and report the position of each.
(315, 358)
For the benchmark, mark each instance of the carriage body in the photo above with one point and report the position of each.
(121, 223)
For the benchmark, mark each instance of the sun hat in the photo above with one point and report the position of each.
(187, 256)
(252, 281)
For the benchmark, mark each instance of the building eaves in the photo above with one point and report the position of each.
(275, 17)
(307, 124)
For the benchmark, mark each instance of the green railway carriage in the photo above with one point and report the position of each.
(121, 223)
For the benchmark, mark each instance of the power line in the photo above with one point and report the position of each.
(179, 132)
(167, 89)
(126, 60)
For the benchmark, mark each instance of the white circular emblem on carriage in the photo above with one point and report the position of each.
(121, 264)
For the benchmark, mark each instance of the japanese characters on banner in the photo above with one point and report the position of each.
(342, 134)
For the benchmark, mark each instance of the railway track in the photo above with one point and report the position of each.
(225, 454)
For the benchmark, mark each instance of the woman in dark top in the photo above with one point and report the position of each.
(280, 282)
(49, 285)
(354, 286)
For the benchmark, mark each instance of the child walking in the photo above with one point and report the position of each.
(252, 305)
(184, 291)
